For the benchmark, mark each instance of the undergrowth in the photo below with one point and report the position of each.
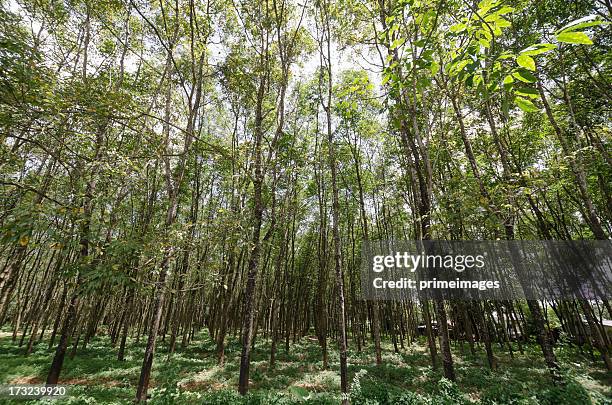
(192, 376)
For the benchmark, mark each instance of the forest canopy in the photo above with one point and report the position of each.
(193, 181)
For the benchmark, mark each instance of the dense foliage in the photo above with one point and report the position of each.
(178, 166)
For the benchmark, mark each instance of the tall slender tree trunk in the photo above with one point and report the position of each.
(249, 295)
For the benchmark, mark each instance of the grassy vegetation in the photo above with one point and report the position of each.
(191, 376)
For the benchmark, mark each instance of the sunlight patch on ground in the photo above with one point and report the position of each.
(210, 378)
(32, 379)
(326, 380)
(593, 385)
(392, 358)
(118, 372)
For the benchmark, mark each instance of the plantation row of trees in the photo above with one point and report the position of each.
(173, 166)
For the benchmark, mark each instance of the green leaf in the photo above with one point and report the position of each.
(435, 67)
(392, 29)
(386, 78)
(505, 55)
(482, 12)
(505, 10)
(503, 23)
(571, 37)
(505, 107)
(527, 92)
(486, 32)
(459, 66)
(492, 18)
(428, 54)
(526, 105)
(397, 43)
(458, 27)
(526, 61)
(524, 76)
(584, 22)
(538, 49)
(586, 25)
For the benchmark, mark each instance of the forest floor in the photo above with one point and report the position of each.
(192, 375)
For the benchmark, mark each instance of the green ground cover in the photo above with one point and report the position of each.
(192, 376)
